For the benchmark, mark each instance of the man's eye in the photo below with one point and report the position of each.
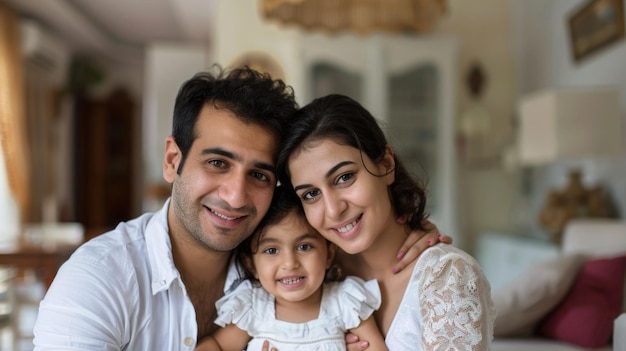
(260, 176)
(271, 251)
(217, 163)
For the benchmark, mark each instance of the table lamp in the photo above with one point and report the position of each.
(557, 124)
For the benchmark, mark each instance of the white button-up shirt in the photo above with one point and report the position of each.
(120, 291)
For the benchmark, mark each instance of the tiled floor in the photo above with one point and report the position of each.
(20, 302)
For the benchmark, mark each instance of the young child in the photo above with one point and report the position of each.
(286, 299)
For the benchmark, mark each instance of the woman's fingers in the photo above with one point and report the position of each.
(416, 242)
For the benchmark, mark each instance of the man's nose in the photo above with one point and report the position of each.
(234, 189)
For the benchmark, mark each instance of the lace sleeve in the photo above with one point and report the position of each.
(455, 301)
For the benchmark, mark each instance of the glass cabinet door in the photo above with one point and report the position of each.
(413, 115)
(328, 78)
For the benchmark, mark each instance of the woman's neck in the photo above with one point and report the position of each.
(377, 261)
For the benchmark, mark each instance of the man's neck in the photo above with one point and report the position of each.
(204, 274)
(198, 265)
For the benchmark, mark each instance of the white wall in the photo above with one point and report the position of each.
(167, 67)
(544, 60)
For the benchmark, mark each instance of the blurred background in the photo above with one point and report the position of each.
(87, 91)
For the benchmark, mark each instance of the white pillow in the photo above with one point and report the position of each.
(521, 304)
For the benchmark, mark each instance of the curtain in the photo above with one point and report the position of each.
(12, 106)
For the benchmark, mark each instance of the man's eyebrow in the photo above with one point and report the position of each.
(265, 166)
(220, 151)
(328, 174)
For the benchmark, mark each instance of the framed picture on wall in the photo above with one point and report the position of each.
(597, 24)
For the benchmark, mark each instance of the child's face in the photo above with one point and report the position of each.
(292, 259)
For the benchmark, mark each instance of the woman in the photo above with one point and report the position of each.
(357, 194)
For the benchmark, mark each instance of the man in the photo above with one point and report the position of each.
(152, 282)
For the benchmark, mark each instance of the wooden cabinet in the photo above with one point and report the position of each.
(104, 160)
(409, 84)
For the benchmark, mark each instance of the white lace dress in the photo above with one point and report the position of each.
(446, 306)
(344, 304)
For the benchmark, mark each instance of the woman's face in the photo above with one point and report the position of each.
(343, 194)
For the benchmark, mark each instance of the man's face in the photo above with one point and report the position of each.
(226, 184)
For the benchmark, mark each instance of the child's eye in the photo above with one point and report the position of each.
(271, 251)
(304, 247)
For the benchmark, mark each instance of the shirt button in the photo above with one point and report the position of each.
(188, 341)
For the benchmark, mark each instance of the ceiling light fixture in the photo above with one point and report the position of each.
(360, 16)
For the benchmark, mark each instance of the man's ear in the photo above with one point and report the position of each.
(388, 165)
(171, 159)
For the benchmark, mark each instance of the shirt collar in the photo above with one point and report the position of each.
(159, 247)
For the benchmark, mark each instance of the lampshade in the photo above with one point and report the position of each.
(561, 123)
(360, 16)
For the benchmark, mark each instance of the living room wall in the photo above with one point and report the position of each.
(544, 60)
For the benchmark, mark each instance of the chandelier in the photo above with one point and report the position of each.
(360, 16)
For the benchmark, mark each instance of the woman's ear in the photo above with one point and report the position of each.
(171, 159)
(388, 165)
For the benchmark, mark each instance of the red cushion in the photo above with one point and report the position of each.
(585, 316)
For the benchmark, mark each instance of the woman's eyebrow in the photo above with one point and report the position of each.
(337, 166)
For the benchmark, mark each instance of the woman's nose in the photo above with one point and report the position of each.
(334, 205)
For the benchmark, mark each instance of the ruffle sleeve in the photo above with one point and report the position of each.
(236, 306)
(358, 299)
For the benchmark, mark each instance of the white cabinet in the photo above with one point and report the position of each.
(409, 83)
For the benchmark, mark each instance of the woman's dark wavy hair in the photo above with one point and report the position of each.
(346, 122)
(252, 96)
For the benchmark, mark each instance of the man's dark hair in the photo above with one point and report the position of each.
(252, 96)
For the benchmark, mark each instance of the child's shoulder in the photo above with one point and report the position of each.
(352, 300)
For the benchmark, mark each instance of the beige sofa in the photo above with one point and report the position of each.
(526, 301)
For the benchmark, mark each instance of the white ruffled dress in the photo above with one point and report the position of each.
(344, 305)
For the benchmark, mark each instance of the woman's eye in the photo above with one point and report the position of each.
(271, 251)
(345, 177)
(310, 195)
